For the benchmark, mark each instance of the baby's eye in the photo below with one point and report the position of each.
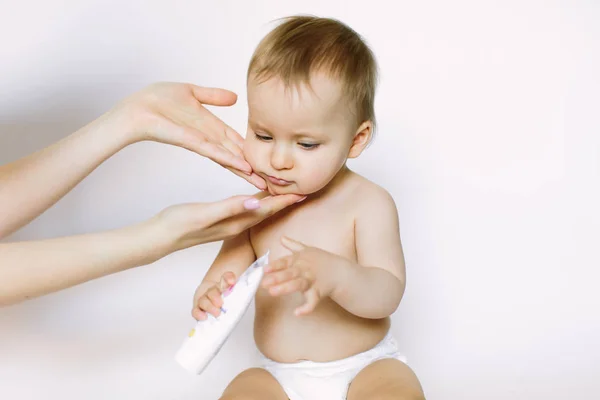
(308, 146)
(263, 137)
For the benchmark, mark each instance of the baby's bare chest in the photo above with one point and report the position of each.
(327, 228)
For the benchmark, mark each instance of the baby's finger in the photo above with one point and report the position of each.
(198, 314)
(206, 305)
(279, 264)
(214, 295)
(277, 277)
(227, 281)
(295, 285)
(312, 299)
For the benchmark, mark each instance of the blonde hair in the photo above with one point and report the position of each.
(305, 44)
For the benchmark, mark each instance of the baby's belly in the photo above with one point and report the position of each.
(329, 333)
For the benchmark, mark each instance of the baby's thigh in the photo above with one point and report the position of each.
(254, 384)
(386, 379)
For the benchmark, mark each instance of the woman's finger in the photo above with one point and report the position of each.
(229, 216)
(234, 136)
(252, 178)
(213, 96)
(229, 144)
(221, 156)
(273, 204)
(267, 207)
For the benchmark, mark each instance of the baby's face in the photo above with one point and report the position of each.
(298, 139)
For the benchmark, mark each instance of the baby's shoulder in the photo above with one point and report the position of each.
(371, 201)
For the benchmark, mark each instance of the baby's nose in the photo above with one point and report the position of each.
(281, 158)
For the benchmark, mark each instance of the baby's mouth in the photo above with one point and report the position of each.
(277, 181)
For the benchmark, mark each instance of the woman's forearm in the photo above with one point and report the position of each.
(31, 269)
(34, 183)
(170, 113)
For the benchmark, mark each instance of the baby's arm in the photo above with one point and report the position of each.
(374, 286)
(235, 256)
(371, 287)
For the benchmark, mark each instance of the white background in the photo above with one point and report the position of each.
(488, 141)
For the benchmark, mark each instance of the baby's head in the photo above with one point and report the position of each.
(311, 89)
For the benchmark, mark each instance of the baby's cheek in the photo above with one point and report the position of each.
(249, 154)
(318, 178)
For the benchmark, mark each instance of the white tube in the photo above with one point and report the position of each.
(206, 339)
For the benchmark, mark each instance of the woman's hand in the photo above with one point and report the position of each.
(167, 112)
(31, 269)
(174, 113)
(187, 225)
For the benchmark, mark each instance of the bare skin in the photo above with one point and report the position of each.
(254, 383)
(336, 270)
(170, 113)
(386, 380)
(327, 222)
(382, 380)
(329, 332)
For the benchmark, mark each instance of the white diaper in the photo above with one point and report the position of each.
(308, 380)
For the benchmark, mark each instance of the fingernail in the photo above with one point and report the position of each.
(302, 199)
(227, 292)
(251, 204)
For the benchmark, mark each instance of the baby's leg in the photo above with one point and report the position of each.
(254, 384)
(386, 379)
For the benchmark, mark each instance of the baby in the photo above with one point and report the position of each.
(337, 268)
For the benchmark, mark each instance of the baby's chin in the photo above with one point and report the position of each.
(279, 190)
(291, 189)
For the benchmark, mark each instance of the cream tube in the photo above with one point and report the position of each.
(208, 336)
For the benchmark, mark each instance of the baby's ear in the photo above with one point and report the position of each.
(361, 139)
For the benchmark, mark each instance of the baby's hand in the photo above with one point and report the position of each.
(209, 300)
(307, 270)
